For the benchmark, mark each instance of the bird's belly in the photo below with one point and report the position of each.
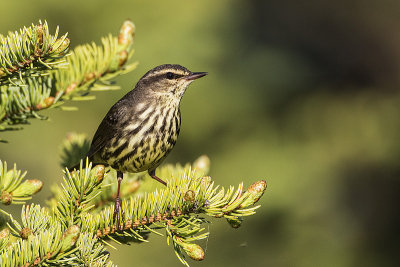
(145, 156)
(141, 152)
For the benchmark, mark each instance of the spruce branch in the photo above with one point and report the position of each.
(46, 247)
(22, 102)
(90, 66)
(49, 245)
(44, 85)
(12, 187)
(78, 190)
(178, 209)
(73, 148)
(91, 252)
(31, 51)
(36, 73)
(74, 230)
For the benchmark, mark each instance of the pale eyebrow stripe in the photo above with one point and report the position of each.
(175, 71)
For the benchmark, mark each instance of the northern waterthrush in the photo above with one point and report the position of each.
(141, 129)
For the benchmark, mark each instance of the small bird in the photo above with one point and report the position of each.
(141, 129)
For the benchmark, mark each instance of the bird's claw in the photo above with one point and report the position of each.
(118, 212)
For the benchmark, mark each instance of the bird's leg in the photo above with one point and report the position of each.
(152, 173)
(118, 203)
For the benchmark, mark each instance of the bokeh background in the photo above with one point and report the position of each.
(302, 94)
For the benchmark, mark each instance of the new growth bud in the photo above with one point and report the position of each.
(131, 186)
(71, 88)
(25, 233)
(39, 42)
(28, 188)
(190, 196)
(126, 34)
(194, 251)
(122, 58)
(234, 223)
(206, 179)
(202, 164)
(47, 102)
(39, 34)
(4, 233)
(6, 198)
(61, 46)
(98, 171)
(69, 237)
(254, 192)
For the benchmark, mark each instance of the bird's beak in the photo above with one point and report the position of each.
(195, 75)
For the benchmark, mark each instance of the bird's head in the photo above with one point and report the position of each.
(168, 82)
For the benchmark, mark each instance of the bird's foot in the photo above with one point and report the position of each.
(118, 212)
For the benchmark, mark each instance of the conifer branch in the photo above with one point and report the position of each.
(78, 190)
(90, 67)
(179, 209)
(29, 52)
(52, 76)
(49, 244)
(74, 224)
(12, 187)
(176, 208)
(56, 248)
(36, 73)
(72, 150)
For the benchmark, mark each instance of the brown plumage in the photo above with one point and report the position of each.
(141, 129)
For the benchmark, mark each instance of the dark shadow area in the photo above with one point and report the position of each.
(371, 193)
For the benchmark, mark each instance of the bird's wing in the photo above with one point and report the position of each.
(109, 126)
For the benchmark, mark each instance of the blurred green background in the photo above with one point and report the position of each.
(302, 94)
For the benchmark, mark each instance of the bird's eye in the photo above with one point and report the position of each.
(170, 75)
